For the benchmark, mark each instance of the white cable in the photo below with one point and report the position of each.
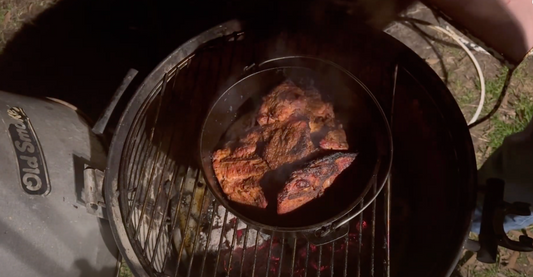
(473, 59)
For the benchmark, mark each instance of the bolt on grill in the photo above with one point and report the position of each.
(173, 223)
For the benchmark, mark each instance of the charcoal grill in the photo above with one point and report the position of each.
(167, 223)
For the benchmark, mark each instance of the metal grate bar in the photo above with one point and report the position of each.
(169, 198)
(306, 259)
(169, 181)
(131, 146)
(281, 254)
(319, 261)
(163, 224)
(200, 212)
(175, 217)
(133, 186)
(373, 243)
(218, 78)
(185, 233)
(332, 262)
(149, 240)
(214, 204)
(293, 256)
(360, 241)
(178, 209)
(137, 193)
(233, 240)
(160, 229)
(388, 186)
(146, 191)
(154, 161)
(386, 246)
(269, 254)
(220, 242)
(144, 144)
(161, 182)
(216, 85)
(255, 252)
(197, 233)
(346, 243)
(244, 248)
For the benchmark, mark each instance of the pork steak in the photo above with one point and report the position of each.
(310, 182)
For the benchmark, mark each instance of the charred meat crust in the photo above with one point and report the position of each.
(310, 182)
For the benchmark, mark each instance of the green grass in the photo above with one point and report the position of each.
(505, 123)
(124, 270)
(493, 88)
(493, 270)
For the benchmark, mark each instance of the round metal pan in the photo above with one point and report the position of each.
(364, 121)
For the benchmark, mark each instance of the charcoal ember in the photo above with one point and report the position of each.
(242, 259)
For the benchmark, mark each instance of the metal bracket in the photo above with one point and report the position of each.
(92, 194)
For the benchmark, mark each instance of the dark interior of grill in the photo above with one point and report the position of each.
(175, 226)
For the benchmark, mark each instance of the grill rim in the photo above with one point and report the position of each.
(148, 87)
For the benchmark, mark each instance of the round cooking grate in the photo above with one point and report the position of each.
(167, 221)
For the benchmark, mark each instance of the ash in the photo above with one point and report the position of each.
(205, 226)
(224, 234)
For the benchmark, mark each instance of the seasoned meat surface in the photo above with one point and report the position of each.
(293, 125)
(282, 103)
(335, 139)
(287, 101)
(239, 168)
(239, 172)
(287, 143)
(247, 192)
(310, 182)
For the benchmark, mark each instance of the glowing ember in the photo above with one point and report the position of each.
(309, 259)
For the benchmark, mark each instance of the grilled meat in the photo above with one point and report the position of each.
(239, 173)
(287, 119)
(310, 182)
(335, 139)
(287, 101)
(287, 143)
(247, 192)
(233, 169)
(282, 103)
